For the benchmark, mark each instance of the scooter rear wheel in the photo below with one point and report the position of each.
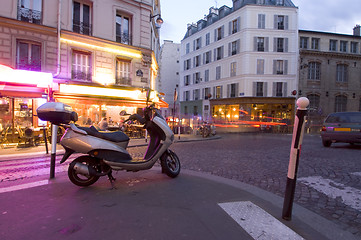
(80, 179)
(170, 164)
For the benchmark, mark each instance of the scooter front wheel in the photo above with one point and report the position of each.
(170, 164)
(81, 178)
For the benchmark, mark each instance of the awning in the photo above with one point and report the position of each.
(20, 91)
(163, 104)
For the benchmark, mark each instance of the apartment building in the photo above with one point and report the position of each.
(329, 73)
(169, 76)
(101, 54)
(240, 63)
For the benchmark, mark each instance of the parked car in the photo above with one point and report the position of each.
(341, 127)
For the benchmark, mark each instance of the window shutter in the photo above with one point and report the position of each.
(222, 52)
(215, 35)
(274, 88)
(237, 89)
(210, 56)
(275, 44)
(259, 21)
(286, 22)
(194, 45)
(255, 44)
(229, 28)
(286, 45)
(200, 42)
(228, 90)
(238, 46)
(221, 95)
(266, 47)
(285, 71)
(254, 89)
(204, 58)
(238, 24)
(229, 49)
(194, 62)
(203, 90)
(275, 25)
(284, 85)
(214, 92)
(265, 89)
(215, 54)
(274, 66)
(222, 31)
(185, 65)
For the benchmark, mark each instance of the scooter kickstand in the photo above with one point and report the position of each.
(112, 180)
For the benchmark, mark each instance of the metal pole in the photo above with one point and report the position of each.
(45, 140)
(298, 131)
(54, 138)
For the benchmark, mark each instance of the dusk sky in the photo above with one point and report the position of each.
(318, 15)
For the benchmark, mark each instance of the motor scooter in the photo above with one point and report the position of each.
(106, 151)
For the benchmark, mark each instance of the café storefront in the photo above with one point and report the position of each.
(247, 114)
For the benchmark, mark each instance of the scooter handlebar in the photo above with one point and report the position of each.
(136, 117)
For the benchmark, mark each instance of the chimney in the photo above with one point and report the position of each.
(357, 30)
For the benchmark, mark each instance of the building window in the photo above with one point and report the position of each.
(81, 66)
(279, 67)
(197, 61)
(261, 21)
(30, 11)
(186, 96)
(233, 69)
(234, 26)
(343, 46)
(218, 92)
(196, 78)
(122, 29)
(218, 72)
(340, 103)
(304, 42)
(341, 73)
(259, 89)
(280, 2)
(187, 64)
(198, 43)
(314, 71)
(232, 90)
(315, 44)
(207, 93)
(219, 53)
(261, 2)
(354, 47)
(219, 32)
(333, 45)
(123, 72)
(81, 18)
(280, 45)
(260, 66)
(207, 57)
(234, 47)
(208, 39)
(196, 94)
(187, 80)
(206, 75)
(28, 55)
(279, 89)
(280, 22)
(314, 101)
(260, 44)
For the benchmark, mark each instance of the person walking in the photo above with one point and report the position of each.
(103, 124)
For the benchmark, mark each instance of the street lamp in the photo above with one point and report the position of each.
(159, 20)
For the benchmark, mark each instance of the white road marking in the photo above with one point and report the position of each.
(257, 222)
(23, 186)
(349, 196)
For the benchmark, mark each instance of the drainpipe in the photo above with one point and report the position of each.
(58, 30)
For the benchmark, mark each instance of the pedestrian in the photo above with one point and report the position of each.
(103, 124)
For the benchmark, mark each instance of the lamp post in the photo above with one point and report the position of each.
(159, 20)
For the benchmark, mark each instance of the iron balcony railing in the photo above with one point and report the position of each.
(124, 38)
(82, 28)
(123, 81)
(29, 15)
(81, 76)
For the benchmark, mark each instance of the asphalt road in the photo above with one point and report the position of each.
(262, 160)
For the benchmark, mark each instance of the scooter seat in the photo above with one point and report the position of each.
(117, 136)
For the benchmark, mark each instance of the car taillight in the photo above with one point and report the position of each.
(323, 129)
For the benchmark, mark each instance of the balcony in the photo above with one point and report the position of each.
(123, 81)
(124, 38)
(29, 15)
(31, 65)
(82, 28)
(81, 76)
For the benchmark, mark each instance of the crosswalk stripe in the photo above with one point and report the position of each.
(23, 186)
(258, 223)
(349, 196)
